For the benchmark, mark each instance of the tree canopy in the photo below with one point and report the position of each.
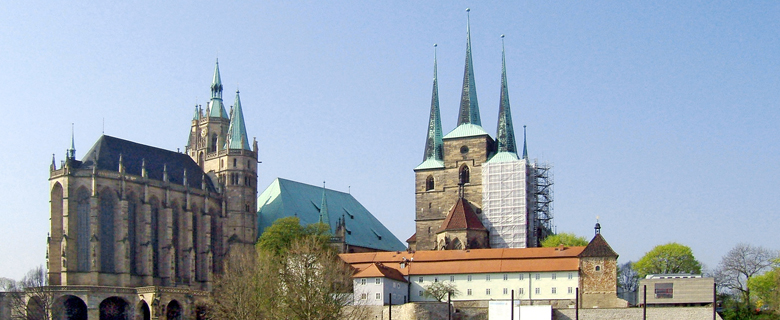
(668, 258)
(567, 239)
(284, 231)
(439, 290)
(739, 266)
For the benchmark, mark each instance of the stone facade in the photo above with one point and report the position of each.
(144, 230)
(432, 205)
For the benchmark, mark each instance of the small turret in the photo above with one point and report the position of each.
(216, 107)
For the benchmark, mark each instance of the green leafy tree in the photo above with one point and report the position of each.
(567, 239)
(668, 258)
(284, 231)
(766, 288)
(439, 290)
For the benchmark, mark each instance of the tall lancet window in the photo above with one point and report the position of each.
(213, 146)
(107, 231)
(82, 229)
(463, 175)
(429, 185)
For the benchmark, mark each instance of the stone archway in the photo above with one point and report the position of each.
(35, 309)
(114, 308)
(73, 308)
(143, 312)
(173, 311)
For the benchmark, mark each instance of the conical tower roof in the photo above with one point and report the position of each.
(505, 135)
(216, 107)
(469, 107)
(324, 216)
(237, 138)
(434, 147)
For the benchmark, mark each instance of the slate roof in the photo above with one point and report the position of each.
(286, 198)
(105, 153)
(461, 217)
(598, 247)
(377, 270)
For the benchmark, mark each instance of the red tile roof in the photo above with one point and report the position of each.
(598, 247)
(471, 261)
(413, 238)
(377, 270)
(461, 217)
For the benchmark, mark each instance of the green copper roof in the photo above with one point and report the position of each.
(430, 164)
(525, 146)
(197, 113)
(466, 130)
(286, 198)
(216, 107)
(236, 137)
(324, 217)
(503, 157)
(469, 108)
(433, 143)
(505, 135)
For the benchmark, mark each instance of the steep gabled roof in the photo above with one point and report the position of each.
(379, 270)
(598, 247)
(287, 198)
(461, 217)
(106, 151)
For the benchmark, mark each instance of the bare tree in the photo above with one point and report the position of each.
(31, 299)
(739, 265)
(439, 290)
(628, 277)
(245, 289)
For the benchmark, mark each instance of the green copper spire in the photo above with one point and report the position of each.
(525, 146)
(236, 137)
(324, 218)
(469, 108)
(433, 143)
(71, 154)
(197, 113)
(505, 136)
(216, 107)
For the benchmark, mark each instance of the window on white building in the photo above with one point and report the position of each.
(363, 296)
(378, 296)
(468, 292)
(363, 281)
(570, 289)
(378, 280)
(537, 290)
(469, 278)
(554, 276)
(538, 276)
(571, 276)
(420, 280)
(487, 291)
(452, 278)
(506, 277)
(506, 290)
(487, 277)
(520, 291)
(436, 279)
(521, 276)
(554, 290)
(421, 293)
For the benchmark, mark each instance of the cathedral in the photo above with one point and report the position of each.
(472, 190)
(139, 232)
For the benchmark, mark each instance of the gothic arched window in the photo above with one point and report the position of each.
(457, 245)
(107, 230)
(213, 143)
(429, 185)
(463, 175)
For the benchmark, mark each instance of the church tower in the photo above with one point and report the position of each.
(219, 144)
(450, 161)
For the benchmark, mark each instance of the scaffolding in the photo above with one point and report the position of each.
(542, 201)
(517, 203)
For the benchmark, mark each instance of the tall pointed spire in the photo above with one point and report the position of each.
(216, 107)
(433, 143)
(236, 137)
(525, 146)
(469, 108)
(505, 136)
(324, 218)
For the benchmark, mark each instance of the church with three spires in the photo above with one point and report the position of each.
(474, 191)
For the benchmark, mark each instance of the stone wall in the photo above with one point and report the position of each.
(679, 313)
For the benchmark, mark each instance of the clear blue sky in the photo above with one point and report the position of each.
(661, 118)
